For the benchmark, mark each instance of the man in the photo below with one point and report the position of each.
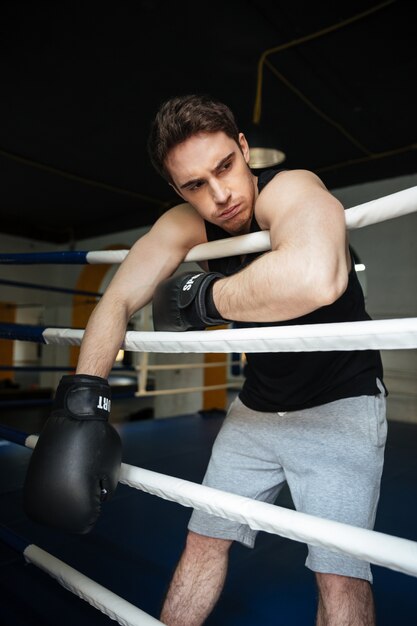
(315, 420)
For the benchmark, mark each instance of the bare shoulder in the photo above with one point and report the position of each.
(161, 250)
(292, 193)
(180, 226)
(291, 184)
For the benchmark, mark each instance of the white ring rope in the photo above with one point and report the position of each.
(177, 390)
(394, 334)
(394, 553)
(394, 205)
(181, 366)
(368, 545)
(112, 605)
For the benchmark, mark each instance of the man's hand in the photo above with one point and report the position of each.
(185, 302)
(76, 463)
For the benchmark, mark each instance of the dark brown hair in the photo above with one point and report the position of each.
(183, 116)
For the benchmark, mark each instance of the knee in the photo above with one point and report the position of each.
(200, 544)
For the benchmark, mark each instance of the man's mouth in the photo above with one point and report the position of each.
(230, 212)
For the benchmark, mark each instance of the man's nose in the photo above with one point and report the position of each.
(220, 192)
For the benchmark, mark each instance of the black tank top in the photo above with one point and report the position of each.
(299, 380)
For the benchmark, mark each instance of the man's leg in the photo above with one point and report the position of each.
(344, 601)
(342, 445)
(197, 581)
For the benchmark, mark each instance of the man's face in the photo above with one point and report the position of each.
(210, 171)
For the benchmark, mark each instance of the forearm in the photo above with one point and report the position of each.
(278, 286)
(102, 339)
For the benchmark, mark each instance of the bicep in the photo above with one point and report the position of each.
(298, 210)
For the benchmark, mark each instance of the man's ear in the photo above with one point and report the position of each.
(244, 146)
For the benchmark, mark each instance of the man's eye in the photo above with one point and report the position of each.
(196, 186)
(227, 165)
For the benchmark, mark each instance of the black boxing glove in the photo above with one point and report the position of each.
(76, 463)
(185, 302)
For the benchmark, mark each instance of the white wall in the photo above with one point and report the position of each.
(389, 251)
(54, 309)
(49, 308)
(34, 307)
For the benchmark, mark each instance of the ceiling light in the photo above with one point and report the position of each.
(263, 152)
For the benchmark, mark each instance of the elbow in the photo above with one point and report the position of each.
(329, 288)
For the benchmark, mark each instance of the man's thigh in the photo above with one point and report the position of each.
(244, 462)
(333, 463)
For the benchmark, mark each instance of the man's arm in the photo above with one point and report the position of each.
(76, 464)
(154, 257)
(307, 267)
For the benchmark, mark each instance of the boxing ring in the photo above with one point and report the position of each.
(378, 548)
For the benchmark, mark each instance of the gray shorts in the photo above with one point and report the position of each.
(331, 457)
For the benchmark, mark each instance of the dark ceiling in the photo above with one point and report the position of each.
(81, 82)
